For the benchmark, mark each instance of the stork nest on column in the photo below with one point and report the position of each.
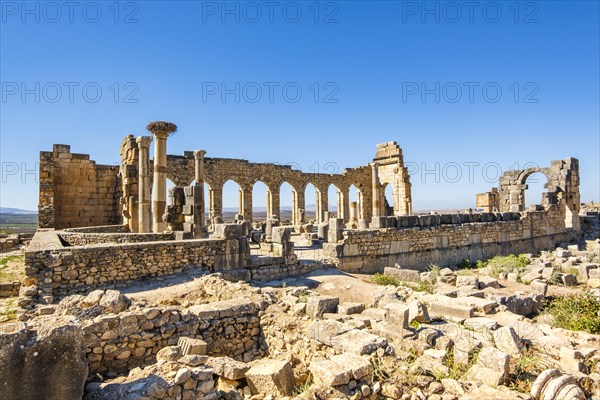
(161, 126)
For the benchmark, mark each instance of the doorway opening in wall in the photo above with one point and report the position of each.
(260, 201)
(310, 200)
(231, 200)
(334, 201)
(388, 200)
(355, 196)
(286, 195)
(536, 189)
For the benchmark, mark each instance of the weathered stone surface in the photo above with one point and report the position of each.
(351, 308)
(418, 312)
(328, 373)
(507, 340)
(480, 324)
(492, 367)
(190, 346)
(271, 377)
(358, 366)
(404, 275)
(326, 331)
(114, 302)
(358, 342)
(448, 307)
(228, 367)
(397, 315)
(48, 365)
(316, 306)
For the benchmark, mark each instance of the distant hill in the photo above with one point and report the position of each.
(9, 210)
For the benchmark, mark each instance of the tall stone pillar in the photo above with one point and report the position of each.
(353, 213)
(323, 201)
(300, 207)
(144, 189)
(375, 190)
(161, 131)
(246, 193)
(198, 211)
(273, 203)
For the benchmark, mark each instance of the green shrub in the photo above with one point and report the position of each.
(434, 269)
(577, 313)
(385, 280)
(464, 264)
(507, 263)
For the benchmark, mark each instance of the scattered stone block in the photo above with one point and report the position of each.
(480, 324)
(397, 314)
(449, 308)
(539, 286)
(358, 342)
(418, 312)
(571, 360)
(327, 373)
(273, 377)
(357, 366)
(483, 305)
(467, 281)
(228, 368)
(568, 279)
(492, 367)
(325, 331)
(190, 346)
(351, 308)
(316, 306)
(114, 302)
(507, 340)
(404, 275)
(488, 282)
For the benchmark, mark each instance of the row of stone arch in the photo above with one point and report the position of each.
(217, 171)
(299, 197)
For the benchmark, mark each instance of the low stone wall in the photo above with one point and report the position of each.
(84, 239)
(80, 269)
(370, 251)
(120, 342)
(274, 272)
(9, 289)
(100, 229)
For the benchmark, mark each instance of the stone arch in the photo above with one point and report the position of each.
(259, 187)
(562, 189)
(311, 194)
(230, 194)
(536, 191)
(355, 200)
(388, 197)
(285, 200)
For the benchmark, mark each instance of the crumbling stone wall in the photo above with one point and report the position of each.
(75, 191)
(120, 342)
(562, 185)
(418, 241)
(46, 363)
(84, 239)
(53, 269)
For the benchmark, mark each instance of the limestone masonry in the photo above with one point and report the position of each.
(130, 290)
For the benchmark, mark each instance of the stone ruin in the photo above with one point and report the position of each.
(257, 318)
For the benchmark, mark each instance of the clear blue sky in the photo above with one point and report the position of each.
(370, 62)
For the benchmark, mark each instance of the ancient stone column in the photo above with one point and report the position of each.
(300, 207)
(161, 130)
(144, 190)
(198, 211)
(353, 211)
(375, 189)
